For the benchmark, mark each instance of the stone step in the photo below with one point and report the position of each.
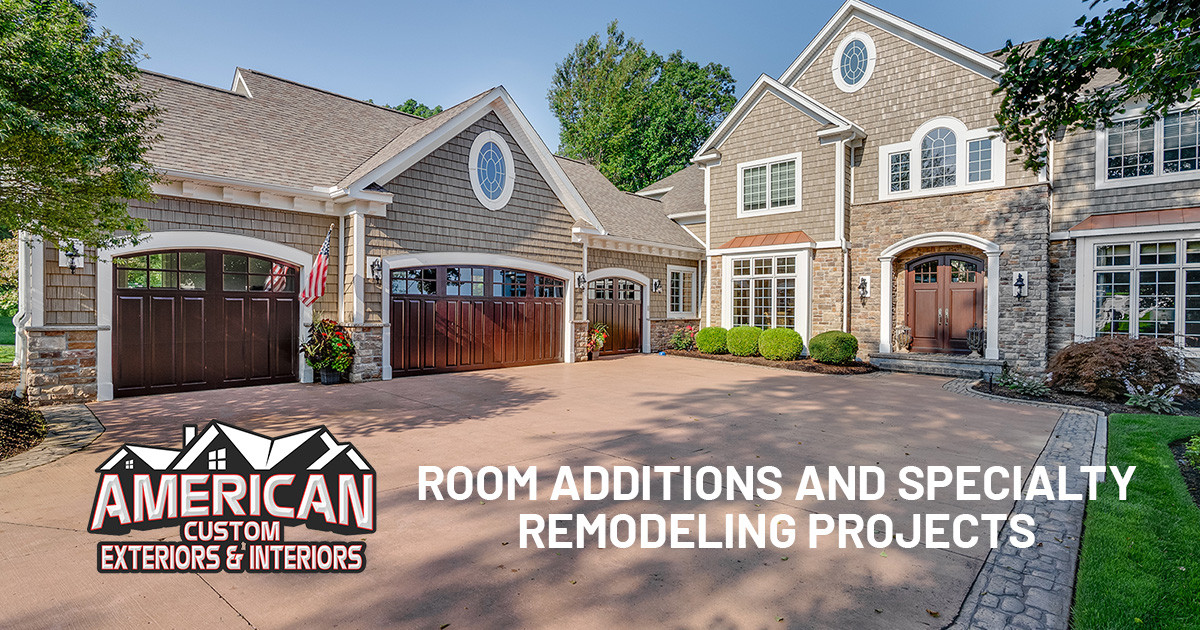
(938, 364)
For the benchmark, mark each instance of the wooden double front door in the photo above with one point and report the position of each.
(944, 299)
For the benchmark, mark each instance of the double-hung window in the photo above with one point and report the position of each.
(1133, 151)
(768, 186)
(764, 291)
(681, 291)
(1148, 289)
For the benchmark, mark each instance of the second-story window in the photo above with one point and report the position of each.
(941, 156)
(771, 185)
(1133, 151)
(938, 157)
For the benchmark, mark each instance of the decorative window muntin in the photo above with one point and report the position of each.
(979, 160)
(764, 291)
(1130, 149)
(491, 169)
(898, 170)
(1181, 142)
(770, 185)
(681, 291)
(1155, 293)
(853, 62)
(938, 158)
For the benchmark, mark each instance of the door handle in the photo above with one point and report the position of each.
(939, 317)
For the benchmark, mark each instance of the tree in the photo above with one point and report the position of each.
(75, 125)
(411, 106)
(1060, 85)
(634, 114)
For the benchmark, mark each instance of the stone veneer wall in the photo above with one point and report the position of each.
(1062, 295)
(581, 337)
(368, 352)
(662, 329)
(712, 297)
(828, 291)
(61, 366)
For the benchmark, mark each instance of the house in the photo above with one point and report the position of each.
(863, 190)
(456, 243)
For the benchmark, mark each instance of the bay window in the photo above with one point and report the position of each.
(1148, 288)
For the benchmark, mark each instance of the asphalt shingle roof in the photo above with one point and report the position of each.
(687, 190)
(286, 134)
(624, 214)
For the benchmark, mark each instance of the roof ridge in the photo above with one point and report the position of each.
(570, 159)
(335, 94)
(170, 77)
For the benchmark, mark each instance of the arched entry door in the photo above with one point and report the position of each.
(617, 303)
(944, 299)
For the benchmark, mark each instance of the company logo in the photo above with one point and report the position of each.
(231, 492)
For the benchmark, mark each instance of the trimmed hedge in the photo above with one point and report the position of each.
(711, 340)
(780, 344)
(743, 340)
(833, 347)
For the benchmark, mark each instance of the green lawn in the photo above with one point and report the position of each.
(1140, 562)
(7, 354)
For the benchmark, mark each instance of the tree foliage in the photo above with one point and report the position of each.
(411, 106)
(1053, 87)
(636, 115)
(75, 125)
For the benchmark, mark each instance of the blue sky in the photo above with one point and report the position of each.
(441, 53)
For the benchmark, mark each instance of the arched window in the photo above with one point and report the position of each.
(938, 155)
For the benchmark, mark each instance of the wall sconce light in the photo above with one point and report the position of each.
(377, 271)
(656, 285)
(70, 255)
(580, 280)
(864, 288)
(1020, 288)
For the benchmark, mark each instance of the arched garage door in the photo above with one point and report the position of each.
(203, 319)
(457, 318)
(617, 303)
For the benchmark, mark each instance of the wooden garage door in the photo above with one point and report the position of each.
(448, 319)
(617, 304)
(203, 319)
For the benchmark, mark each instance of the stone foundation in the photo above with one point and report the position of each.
(60, 365)
(368, 351)
(662, 329)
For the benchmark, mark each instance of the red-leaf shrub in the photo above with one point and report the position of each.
(1100, 367)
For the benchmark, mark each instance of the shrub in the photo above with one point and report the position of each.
(1158, 399)
(328, 346)
(711, 340)
(780, 344)
(684, 338)
(834, 347)
(1191, 451)
(1101, 367)
(743, 340)
(1025, 385)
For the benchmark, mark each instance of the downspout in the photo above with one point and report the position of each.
(586, 239)
(342, 268)
(846, 287)
(22, 317)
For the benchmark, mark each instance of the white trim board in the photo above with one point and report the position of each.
(182, 239)
(954, 52)
(768, 162)
(695, 311)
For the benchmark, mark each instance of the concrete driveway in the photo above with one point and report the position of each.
(458, 563)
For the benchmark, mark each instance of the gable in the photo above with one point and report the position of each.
(853, 10)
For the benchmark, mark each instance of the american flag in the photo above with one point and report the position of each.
(277, 281)
(314, 287)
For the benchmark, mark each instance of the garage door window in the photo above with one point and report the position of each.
(547, 287)
(174, 270)
(464, 281)
(508, 283)
(421, 281)
(250, 273)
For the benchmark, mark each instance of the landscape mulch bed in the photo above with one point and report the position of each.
(1191, 476)
(800, 365)
(1187, 407)
(21, 427)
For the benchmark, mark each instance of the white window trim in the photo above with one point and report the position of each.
(689, 314)
(804, 258)
(837, 62)
(510, 174)
(1159, 177)
(963, 138)
(1086, 269)
(741, 212)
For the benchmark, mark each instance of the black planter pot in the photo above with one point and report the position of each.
(330, 377)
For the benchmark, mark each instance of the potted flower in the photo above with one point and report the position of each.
(328, 350)
(596, 338)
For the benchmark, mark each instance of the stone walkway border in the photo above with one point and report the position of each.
(68, 429)
(1033, 588)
